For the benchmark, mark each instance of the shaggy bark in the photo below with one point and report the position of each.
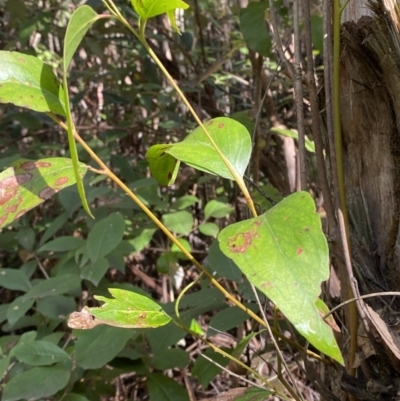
(370, 111)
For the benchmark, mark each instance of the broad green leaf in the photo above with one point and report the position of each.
(56, 307)
(14, 279)
(54, 226)
(293, 134)
(36, 383)
(54, 286)
(228, 318)
(179, 222)
(26, 237)
(255, 394)
(40, 382)
(82, 19)
(184, 202)
(26, 184)
(210, 229)
(163, 388)
(204, 370)
(151, 8)
(95, 271)
(40, 353)
(128, 309)
(105, 236)
(285, 255)
(217, 209)
(99, 346)
(253, 26)
(170, 359)
(231, 137)
(4, 363)
(62, 244)
(27, 82)
(163, 167)
(18, 308)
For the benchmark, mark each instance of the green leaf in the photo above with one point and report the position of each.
(56, 307)
(163, 167)
(228, 318)
(184, 202)
(285, 255)
(99, 346)
(254, 28)
(27, 184)
(54, 286)
(40, 353)
(204, 370)
(151, 8)
(105, 236)
(129, 310)
(179, 222)
(210, 229)
(216, 209)
(54, 226)
(95, 271)
(82, 19)
(163, 388)
(41, 382)
(170, 359)
(231, 137)
(255, 394)
(27, 82)
(293, 134)
(14, 279)
(62, 244)
(26, 237)
(18, 308)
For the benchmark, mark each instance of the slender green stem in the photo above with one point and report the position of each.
(232, 170)
(337, 13)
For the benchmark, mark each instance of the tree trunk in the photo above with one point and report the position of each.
(370, 112)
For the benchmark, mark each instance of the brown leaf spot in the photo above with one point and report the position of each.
(61, 181)
(210, 123)
(299, 250)
(267, 285)
(15, 181)
(221, 125)
(27, 166)
(21, 59)
(46, 193)
(241, 242)
(169, 175)
(42, 164)
(12, 208)
(5, 196)
(142, 316)
(307, 229)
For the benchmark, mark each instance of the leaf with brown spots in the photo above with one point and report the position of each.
(27, 82)
(163, 167)
(232, 139)
(27, 183)
(127, 309)
(284, 253)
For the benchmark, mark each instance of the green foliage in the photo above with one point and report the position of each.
(253, 25)
(57, 257)
(291, 242)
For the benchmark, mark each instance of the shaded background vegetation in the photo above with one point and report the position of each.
(224, 61)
